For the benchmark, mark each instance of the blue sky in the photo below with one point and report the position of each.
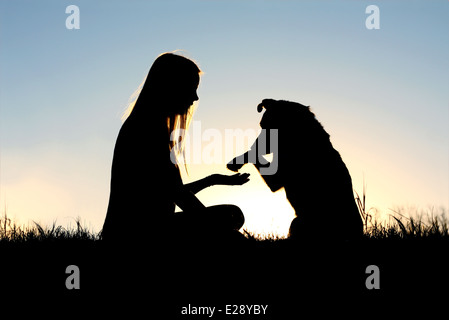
(381, 94)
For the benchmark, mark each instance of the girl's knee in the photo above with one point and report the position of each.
(237, 216)
(231, 214)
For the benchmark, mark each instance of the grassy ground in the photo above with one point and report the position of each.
(410, 253)
(12, 233)
(418, 225)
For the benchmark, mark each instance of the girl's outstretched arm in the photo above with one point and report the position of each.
(188, 202)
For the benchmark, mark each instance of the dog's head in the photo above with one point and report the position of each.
(290, 117)
(281, 114)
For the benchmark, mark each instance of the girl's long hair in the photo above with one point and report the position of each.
(168, 76)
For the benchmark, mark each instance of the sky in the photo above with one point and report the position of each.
(382, 95)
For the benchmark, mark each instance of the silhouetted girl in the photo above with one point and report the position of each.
(146, 183)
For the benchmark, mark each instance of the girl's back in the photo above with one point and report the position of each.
(143, 179)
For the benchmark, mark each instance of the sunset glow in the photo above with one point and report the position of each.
(381, 94)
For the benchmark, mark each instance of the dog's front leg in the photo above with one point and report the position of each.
(255, 154)
(248, 157)
(238, 162)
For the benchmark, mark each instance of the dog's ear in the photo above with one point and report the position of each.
(266, 103)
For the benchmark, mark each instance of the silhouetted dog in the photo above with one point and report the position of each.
(316, 180)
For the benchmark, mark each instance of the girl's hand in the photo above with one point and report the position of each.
(232, 180)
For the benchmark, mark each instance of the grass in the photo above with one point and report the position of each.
(414, 225)
(409, 249)
(411, 224)
(422, 225)
(10, 232)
